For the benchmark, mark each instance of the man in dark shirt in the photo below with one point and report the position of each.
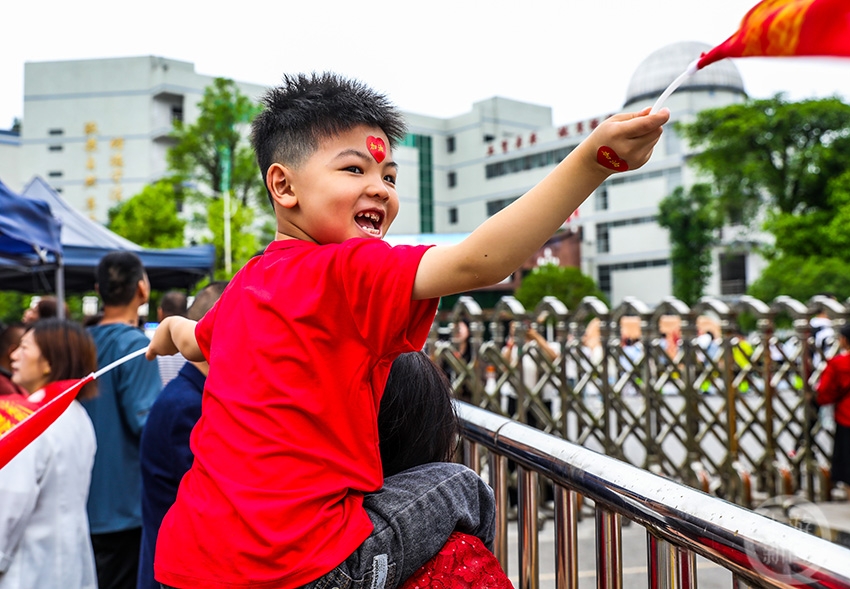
(165, 453)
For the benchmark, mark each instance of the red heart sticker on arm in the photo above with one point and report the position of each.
(609, 158)
(377, 148)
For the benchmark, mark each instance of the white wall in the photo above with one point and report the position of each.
(10, 157)
(642, 283)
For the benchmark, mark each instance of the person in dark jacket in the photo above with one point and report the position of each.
(164, 453)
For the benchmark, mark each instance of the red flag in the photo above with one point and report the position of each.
(58, 397)
(13, 410)
(784, 28)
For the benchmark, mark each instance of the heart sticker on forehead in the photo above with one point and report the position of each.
(377, 148)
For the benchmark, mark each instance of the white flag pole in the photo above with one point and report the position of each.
(692, 69)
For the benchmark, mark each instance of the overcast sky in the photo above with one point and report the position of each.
(435, 57)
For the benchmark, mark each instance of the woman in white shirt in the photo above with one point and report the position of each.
(44, 532)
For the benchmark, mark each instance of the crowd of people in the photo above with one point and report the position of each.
(826, 356)
(71, 508)
(82, 504)
(286, 486)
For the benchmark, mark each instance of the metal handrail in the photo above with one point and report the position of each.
(681, 522)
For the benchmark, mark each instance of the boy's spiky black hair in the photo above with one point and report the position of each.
(306, 109)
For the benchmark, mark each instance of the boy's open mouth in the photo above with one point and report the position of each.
(370, 222)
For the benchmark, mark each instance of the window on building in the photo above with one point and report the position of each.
(488, 138)
(494, 206)
(637, 177)
(526, 162)
(673, 143)
(604, 280)
(632, 221)
(600, 199)
(176, 114)
(605, 270)
(733, 274)
(674, 179)
(426, 181)
(54, 148)
(54, 174)
(735, 212)
(450, 144)
(453, 216)
(602, 238)
(452, 178)
(56, 132)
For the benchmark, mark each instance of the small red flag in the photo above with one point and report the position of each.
(784, 28)
(13, 410)
(58, 397)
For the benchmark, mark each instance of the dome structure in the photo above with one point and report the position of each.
(657, 71)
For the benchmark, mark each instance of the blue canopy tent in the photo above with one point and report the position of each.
(85, 241)
(30, 245)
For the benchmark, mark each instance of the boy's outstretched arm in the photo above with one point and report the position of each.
(175, 334)
(504, 241)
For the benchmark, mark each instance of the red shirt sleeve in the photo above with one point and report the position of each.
(378, 281)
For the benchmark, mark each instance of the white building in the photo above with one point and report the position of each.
(97, 130)
(10, 158)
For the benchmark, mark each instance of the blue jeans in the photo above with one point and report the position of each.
(414, 514)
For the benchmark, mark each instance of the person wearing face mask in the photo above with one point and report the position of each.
(44, 532)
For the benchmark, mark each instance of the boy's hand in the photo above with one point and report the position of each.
(625, 141)
(175, 334)
(505, 241)
(162, 343)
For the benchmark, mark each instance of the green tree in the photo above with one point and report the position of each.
(197, 156)
(150, 217)
(811, 252)
(212, 155)
(693, 221)
(244, 243)
(12, 305)
(801, 278)
(774, 152)
(565, 283)
(817, 233)
(784, 163)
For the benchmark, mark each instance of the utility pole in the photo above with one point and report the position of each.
(224, 154)
(229, 119)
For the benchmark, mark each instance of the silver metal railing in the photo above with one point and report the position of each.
(680, 522)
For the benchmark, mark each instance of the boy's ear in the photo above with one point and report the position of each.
(279, 183)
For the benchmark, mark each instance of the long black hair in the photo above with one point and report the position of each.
(417, 422)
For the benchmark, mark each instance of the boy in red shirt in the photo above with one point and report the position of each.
(301, 342)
